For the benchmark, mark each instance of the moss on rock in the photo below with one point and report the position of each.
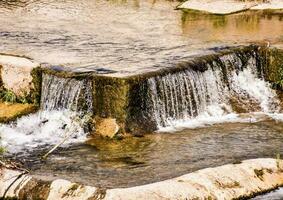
(10, 112)
(274, 70)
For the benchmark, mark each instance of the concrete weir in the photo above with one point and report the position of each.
(232, 181)
(124, 101)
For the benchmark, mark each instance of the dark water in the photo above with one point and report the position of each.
(125, 36)
(156, 157)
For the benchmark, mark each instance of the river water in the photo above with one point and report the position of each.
(131, 37)
(159, 156)
(126, 36)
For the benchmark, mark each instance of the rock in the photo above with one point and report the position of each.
(269, 5)
(232, 181)
(10, 112)
(106, 127)
(16, 74)
(220, 7)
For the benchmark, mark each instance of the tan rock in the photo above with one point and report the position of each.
(232, 181)
(220, 7)
(10, 112)
(269, 5)
(16, 74)
(106, 127)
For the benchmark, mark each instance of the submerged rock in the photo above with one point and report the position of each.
(106, 127)
(233, 181)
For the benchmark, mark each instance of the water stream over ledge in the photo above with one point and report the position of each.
(220, 113)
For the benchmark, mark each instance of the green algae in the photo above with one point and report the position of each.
(274, 69)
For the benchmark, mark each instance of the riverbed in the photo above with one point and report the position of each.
(135, 161)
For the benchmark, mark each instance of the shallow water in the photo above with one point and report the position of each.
(125, 36)
(275, 195)
(159, 156)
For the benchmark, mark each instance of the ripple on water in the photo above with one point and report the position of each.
(135, 161)
(138, 35)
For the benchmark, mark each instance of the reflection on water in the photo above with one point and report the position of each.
(244, 27)
(123, 35)
(155, 157)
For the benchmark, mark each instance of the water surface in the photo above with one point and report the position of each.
(126, 36)
(136, 161)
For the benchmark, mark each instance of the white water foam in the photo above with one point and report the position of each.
(44, 128)
(215, 114)
(193, 99)
(246, 81)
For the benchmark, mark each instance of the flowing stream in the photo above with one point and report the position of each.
(228, 86)
(140, 36)
(64, 103)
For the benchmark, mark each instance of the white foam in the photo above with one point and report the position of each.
(246, 81)
(213, 115)
(276, 116)
(40, 129)
(244, 84)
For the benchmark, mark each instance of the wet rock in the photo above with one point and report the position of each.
(268, 5)
(106, 127)
(221, 7)
(10, 112)
(274, 67)
(233, 181)
(17, 75)
(225, 7)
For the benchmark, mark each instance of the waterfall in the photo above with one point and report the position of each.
(231, 84)
(66, 93)
(64, 103)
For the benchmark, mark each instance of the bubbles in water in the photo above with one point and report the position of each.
(193, 98)
(41, 129)
(64, 102)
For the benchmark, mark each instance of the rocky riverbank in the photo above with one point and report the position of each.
(233, 181)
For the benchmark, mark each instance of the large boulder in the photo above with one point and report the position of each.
(18, 76)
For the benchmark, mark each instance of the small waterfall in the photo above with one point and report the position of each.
(64, 104)
(231, 84)
(66, 93)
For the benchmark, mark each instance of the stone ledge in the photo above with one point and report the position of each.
(271, 5)
(232, 181)
(226, 7)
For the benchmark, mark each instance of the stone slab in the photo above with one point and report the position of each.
(232, 181)
(220, 7)
(270, 5)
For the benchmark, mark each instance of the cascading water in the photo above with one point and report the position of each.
(64, 103)
(66, 93)
(229, 85)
